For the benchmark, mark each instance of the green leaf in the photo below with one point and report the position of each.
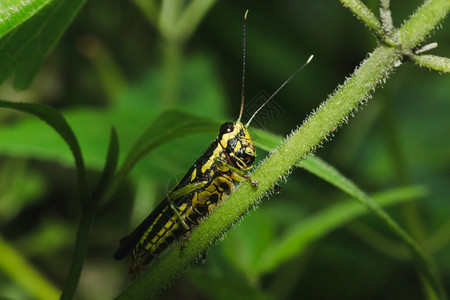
(29, 34)
(110, 166)
(328, 173)
(331, 218)
(54, 118)
(14, 12)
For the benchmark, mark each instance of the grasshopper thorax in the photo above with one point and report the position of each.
(238, 147)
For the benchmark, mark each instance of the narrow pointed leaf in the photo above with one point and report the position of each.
(110, 166)
(325, 221)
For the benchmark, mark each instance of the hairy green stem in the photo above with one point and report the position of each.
(422, 23)
(363, 13)
(440, 64)
(386, 18)
(331, 114)
(304, 140)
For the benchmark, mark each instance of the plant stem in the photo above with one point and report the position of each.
(440, 64)
(172, 62)
(363, 13)
(191, 17)
(386, 18)
(81, 243)
(150, 9)
(424, 20)
(330, 114)
(170, 11)
(316, 128)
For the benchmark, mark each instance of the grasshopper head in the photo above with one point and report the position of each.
(239, 148)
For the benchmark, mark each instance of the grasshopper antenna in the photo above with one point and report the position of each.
(243, 66)
(276, 92)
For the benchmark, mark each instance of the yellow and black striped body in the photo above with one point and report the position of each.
(207, 183)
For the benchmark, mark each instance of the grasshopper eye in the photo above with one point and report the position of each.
(226, 128)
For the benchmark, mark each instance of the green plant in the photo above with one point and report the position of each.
(176, 23)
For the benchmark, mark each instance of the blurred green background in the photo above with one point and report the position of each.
(116, 67)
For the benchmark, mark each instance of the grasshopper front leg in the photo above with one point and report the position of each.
(236, 173)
